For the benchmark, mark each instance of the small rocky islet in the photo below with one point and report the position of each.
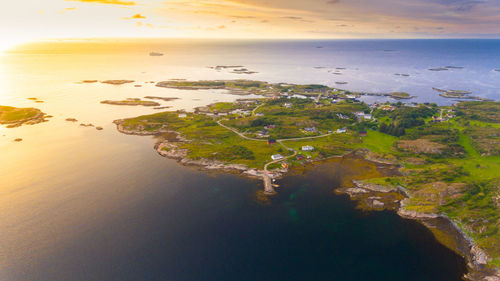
(459, 94)
(236, 69)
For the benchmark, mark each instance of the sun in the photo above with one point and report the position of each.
(10, 43)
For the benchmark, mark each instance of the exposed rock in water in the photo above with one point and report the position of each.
(18, 140)
(99, 128)
(89, 81)
(161, 98)
(71, 120)
(87, 125)
(438, 69)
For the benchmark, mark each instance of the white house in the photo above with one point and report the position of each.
(276, 156)
(182, 115)
(310, 129)
(307, 148)
(340, 131)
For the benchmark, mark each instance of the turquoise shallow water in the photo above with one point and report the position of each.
(82, 204)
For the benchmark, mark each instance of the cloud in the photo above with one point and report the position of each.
(113, 2)
(136, 16)
(353, 18)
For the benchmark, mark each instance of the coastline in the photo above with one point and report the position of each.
(40, 117)
(443, 228)
(167, 148)
(446, 231)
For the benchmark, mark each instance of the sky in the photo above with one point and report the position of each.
(29, 20)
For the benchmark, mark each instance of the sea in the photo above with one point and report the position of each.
(81, 204)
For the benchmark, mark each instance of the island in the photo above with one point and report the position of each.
(459, 94)
(247, 87)
(161, 98)
(131, 102)
(14, 117)
(236, 69)
(117, 82)
(445, 158)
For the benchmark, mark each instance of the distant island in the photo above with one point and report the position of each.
(447, 157)
(247, 87)
(116, 82)
(131, 101)
(15, 117)
(459, 94)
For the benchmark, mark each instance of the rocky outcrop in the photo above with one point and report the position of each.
(477, 258)
(172, 150)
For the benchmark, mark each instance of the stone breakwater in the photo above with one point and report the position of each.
(476, 258)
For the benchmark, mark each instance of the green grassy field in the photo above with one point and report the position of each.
(459, 177)
(10, 114)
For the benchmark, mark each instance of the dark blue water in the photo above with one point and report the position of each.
(195, 226)
(78, 204)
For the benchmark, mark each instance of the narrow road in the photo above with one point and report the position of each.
(279, 140)
(268, 186)
(236, 131)
(253, 111)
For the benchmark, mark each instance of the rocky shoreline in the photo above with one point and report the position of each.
(169, 149)
(373, 195)
(376, 197)
(40, 117)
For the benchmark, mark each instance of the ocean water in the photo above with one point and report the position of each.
(82, 204)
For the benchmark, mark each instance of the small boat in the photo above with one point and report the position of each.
(276, 185)
(155, 54)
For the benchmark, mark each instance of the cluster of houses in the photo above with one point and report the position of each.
(444, 118)
(363, 116)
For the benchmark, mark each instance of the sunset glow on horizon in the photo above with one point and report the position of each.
(31, 20)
